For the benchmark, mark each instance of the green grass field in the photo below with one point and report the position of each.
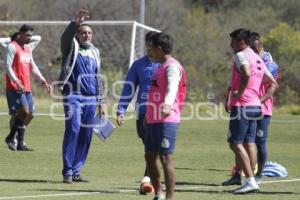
(202, 160)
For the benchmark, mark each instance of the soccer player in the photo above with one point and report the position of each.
(139, 76)
(244, 105)
(265, 94)
(34, 41)
(82, 91)
(18, 65)
(266, 97)
(165, 100)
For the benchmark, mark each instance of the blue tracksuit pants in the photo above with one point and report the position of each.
(79, 115)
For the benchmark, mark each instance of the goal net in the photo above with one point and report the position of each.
(119, 42)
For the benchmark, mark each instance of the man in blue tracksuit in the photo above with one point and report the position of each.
(82, 93)
(138, 76)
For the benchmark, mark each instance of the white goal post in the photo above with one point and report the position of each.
(134, 53)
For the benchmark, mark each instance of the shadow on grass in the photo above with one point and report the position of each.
(86, 191)
(28, 181)
(195, 184)
(211, 169)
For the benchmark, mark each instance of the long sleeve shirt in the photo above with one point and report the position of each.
(138, 78)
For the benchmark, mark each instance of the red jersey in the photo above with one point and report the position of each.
(21, 66)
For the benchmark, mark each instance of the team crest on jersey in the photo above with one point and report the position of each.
(25, 58)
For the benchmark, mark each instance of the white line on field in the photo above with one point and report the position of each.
(130, 191)
(280, 181)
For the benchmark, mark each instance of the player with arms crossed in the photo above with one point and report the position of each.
(244, 105)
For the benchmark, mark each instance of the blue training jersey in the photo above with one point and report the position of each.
(271, 65)
(138, 76)
(84, 75)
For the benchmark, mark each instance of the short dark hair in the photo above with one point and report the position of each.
(241, 34)
(254, 36)
(14, 36)
(24, 28)
(163, 40)
(148, 36)
(81, 25)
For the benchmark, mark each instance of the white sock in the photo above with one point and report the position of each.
(146, 179)
(252, 181)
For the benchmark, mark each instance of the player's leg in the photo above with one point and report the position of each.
(12, 119)
(12, 102)
(19, 119)
(84, 138)
(72, 112)
(261, 144)
(151, 157)
(167, 148)
(235, 178)
(247, 128)
(145, 186)
(28, 115)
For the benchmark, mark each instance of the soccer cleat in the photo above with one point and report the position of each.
(159, 198)
(258, 179)
(67, 179)
(24, 148)
(247, 188)
(235, 180)
(146, 188)
(11, 144)
(79, 178)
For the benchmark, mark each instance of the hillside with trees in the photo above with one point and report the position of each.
(200, 29)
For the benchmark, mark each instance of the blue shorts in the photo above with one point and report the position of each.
(140, 128)
(242, 125)
(262, 129)
(17, 100)
(161, 137)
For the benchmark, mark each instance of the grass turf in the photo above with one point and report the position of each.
(114, 167)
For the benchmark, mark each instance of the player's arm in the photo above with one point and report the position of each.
(227, 108)
(34, 42)
(242, 65)
(5, 41)
(173, 78)
(102, 109)
(9, 58)
(35, 70)
(70, 32)
(268, 77)
(127, 94)
(270, 92)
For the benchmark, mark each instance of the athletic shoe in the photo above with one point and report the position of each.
(258, 179)
(79, 178)
(146, 188)
(11, 144)
(235, 180)
(247, 188)
(24, 148)
(67, 179)
(159, 198)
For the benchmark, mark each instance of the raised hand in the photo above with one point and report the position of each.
(81, 16)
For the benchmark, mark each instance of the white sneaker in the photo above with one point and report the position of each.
(247, 187)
